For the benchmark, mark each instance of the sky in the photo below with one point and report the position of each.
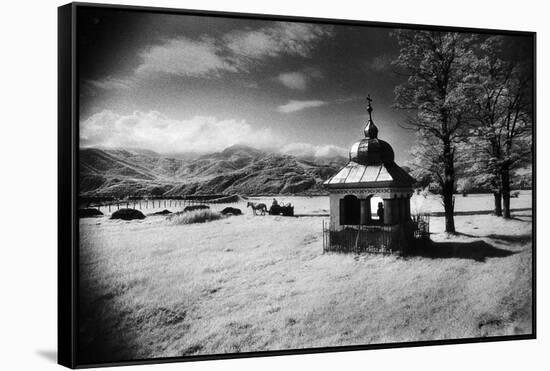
(181, 83)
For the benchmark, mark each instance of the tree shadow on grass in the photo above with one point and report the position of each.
(503, 238)
(475, 250)
(467, 235)
(98, 340)
(477, 212)
(512, 239)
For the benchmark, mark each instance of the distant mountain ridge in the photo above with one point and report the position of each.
(236, 170)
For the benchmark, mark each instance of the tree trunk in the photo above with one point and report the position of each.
(448, 204)
(448, 189)
(498, 203)
(505, 179)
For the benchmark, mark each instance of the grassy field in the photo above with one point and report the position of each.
(152, 288)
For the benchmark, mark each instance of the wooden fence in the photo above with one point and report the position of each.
(152, 203)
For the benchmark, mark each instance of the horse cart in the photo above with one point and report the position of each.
(284, 210)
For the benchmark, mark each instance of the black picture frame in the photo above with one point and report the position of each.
(68, 185)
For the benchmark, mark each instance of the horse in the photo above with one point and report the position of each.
(255, 207)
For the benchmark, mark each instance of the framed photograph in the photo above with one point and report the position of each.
(242, 185)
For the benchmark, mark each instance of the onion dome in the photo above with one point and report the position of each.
(371, 150)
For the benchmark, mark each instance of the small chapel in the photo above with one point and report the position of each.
(370, 198)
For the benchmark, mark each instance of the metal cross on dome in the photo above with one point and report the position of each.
(369, 107)
(371, 131)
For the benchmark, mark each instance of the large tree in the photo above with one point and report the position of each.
(437, 65)
(500, 90)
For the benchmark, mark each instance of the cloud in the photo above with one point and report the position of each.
(380, 63)
(311, 150)
(110, 83)
(298, 105)
(281, 38)
(236, 51)
(202, 134)
(299, 80)
(184, 57)
(293, 80)
(155, 131)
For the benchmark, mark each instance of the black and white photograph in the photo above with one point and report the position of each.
(251, 184)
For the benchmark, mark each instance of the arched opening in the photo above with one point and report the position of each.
(377, 210)
(350, 210)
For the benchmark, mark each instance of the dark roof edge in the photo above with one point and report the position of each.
(372, 185)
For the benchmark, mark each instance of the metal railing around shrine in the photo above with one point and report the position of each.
(422, 230)
(380, 239)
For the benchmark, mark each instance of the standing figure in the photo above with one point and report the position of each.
(380, 212)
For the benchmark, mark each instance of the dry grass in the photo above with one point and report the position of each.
(196, 216)
(154, 289)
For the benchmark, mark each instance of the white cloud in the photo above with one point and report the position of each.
(153, 130)
(299, 80)
(237, 51)
(310, 150)
(293, 80)
(298, 105)
(184, 57)
(281, 38)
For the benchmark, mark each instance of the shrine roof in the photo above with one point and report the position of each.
(377, 175)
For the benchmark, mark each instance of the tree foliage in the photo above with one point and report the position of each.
(499, 89)
(469, 102)
(438, 66)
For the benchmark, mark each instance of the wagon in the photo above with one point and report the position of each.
(281, 210)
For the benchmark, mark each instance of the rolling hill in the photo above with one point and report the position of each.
(235, 170)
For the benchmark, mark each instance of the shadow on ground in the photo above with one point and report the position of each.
(99, 342)
(512, 239)
(476, 212)
(50, 355)
(503, 238)
(475, 250)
